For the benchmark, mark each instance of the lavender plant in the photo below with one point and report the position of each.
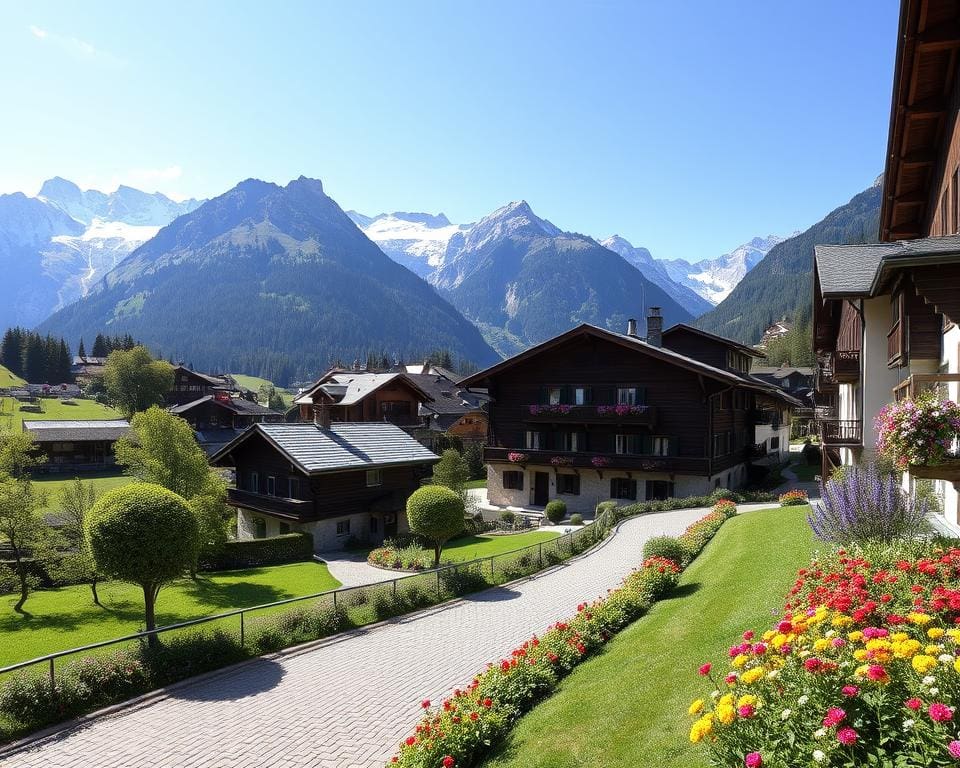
(867, 505)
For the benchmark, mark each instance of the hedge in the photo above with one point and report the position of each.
(288, 548)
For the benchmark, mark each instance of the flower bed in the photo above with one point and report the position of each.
(409, 558)
(463, 728)
(862, 669)
(919, 431)
(794, 498)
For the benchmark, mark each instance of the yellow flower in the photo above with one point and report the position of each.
(899, 637)
(919, 618)
(841, 621)
(739, 660)
(855, 637)
(935, 633)
(726, 714)
(696, 707)
(702, 727)
(860, 654)
(752, 675)
(726, 700)
(923, 663)
(821, 645)
(747, 700)
(956, 666)
(933, 650)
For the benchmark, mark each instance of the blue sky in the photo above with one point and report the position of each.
(686, 127)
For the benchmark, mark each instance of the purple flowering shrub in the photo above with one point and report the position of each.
(864, 505)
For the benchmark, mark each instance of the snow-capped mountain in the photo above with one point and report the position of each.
(655, 271)
(56, 245)
(714, 279)
(418, 241)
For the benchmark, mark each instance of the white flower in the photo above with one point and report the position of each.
(803, 700)
(785, 714)
(715, 694)
(945, 658)
(773, 673)
(819, 733)
(908, 724)
(929, 680)
(830, 633)
(819, 755)
(934, 691)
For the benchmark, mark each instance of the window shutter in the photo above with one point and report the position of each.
(641, 395)
(544, 398)
(588, 395)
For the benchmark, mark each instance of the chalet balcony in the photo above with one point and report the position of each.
(272, 505)
(896, 345)
(689, 465)
(641, 415)
(846, 366)
(841, 433)
(766, 418)
(925, 382)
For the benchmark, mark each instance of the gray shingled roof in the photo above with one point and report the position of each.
(235, 404)
(42, 431)
(352, 386)
(852, 270)
(354, 445)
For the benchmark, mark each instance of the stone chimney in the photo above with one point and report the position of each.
(632, 327)
(321, 415)
(655, 327)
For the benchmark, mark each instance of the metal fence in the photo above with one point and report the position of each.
(360, 605)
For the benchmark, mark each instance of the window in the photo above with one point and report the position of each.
(627, 396)
(394, 407)
(738, 400)
(259, 528)
(343, 527)
(568, 484)
(293, 488)
(657, 490)
(571, 441)
(255, 482)
(661, 446)
(374, 477)
(623, 488)
(513, 480)
(271, 485)
(581, 396)
(284, 528)
(629, 444)
(726, 401)
(533, 441)
(721, 444)
(775, 443)
(553, 395)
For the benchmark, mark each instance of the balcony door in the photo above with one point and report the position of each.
(541, 488)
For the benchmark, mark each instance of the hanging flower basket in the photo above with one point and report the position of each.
(561, 461)
(600, 462)
(918, 432)
(620, 410)
(537, 410)
(516, 457)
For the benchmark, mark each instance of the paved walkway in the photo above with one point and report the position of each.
(347, 702)
(351, 569)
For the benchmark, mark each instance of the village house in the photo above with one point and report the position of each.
(354, 396)
(451, 409)
(189, 385)
(339, 481)
(592, 414)
(885, 315)
(221, 416)
(76, 445)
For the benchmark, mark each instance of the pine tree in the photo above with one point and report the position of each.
(35, 360)
(100, 346)
(80, 350)
(11, 351)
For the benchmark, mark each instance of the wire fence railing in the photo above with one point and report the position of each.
(278, 624)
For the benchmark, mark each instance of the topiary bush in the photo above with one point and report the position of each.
(576, 519)
(507, 517)
(436, 513)
(666, 547)
(555, 511)
(253, 553)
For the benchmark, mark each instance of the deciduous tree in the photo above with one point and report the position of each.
(135, 381)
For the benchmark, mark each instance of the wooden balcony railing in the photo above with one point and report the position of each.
(916, 383)
(297, 508)
(841, 432)
(896, 347)
(592, 414)
(692, 465)
(846, 365)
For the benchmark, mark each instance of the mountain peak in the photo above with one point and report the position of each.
(307, 184)
(59, 188)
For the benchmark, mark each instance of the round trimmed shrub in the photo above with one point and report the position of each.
(555, 511)
(508, 517)
(436, 513)
(667, 547)
(143, 534)
(576, 519)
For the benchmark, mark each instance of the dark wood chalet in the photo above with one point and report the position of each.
(190, 385)
(354, 396)
(885, 314)
(337, 481)
(220, 417)
(83, 445)
(592, 414)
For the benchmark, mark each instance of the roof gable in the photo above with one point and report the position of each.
(729, 343)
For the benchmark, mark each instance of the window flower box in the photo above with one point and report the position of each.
(621, 410)
(600, 462)
(919, 433)
(561, 461)
(538, 410)
(515, 457)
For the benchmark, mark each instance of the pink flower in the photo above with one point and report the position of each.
(705, 669)
(913, 703)
(753, 760)
(834, 717)
(954, 749)
(850, 690)
(746, 710)
(939, 713)
(847, 736)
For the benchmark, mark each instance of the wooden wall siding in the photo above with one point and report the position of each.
(680, 396)
(698, 347)
(937, 285)
(255, 454)
(850, 333)
(924, 324)
(472, 426)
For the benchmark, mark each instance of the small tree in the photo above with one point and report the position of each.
(23, 527)
(555, 511)
(134, 380)
(436, 513)
(145, 535)
(76, 501)
(473, 456)
(451, 471)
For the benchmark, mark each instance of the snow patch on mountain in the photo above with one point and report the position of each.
(418, 241)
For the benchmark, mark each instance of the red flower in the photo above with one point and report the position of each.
(425, 703)
(411, 740)
(913, 703)
(705, 669)
(939, 713)
(448, 762)
(834, 716)
(474, 716)
(847, 736)
(505, 666)
(487, 702)
(753, 760)
(850, 690)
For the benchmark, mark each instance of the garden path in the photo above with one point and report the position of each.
(347, 701)
(351, 569)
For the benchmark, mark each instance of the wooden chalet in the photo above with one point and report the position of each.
(592, 415)
(451, 409)
(219, 417)
(339, 481)
(190, 385)
(354, 396)
(885, 314)
(83, 445)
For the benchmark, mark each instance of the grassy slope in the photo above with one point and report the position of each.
(53, 484)
(7, 379)
(472, 547)
(11, 415)
(255, 382)
(628, 706)
(67, 618)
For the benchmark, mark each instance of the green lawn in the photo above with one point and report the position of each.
(628, 706)
(255, 382)
(11, 415)
(58, 619)
(7, 379)
(473, 547)
(476, 483)
(53, 484)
